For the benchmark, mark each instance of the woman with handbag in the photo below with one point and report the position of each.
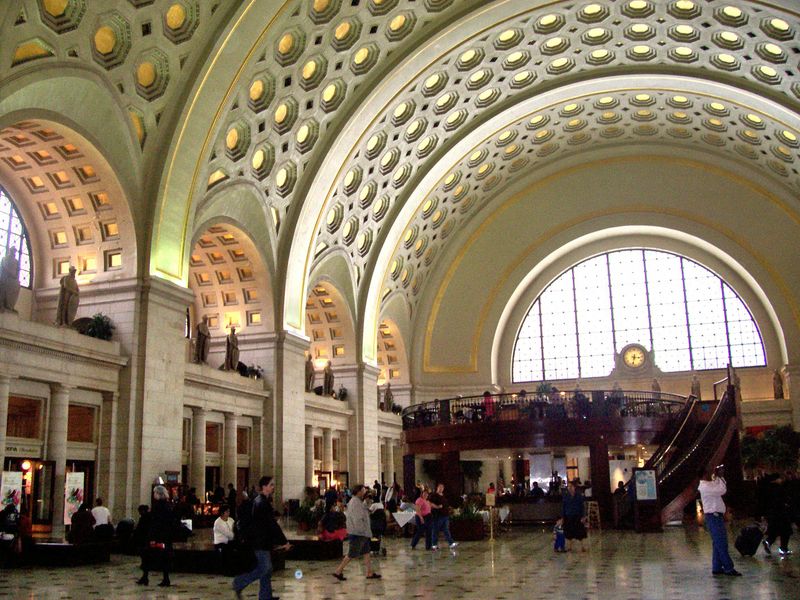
(157, 552)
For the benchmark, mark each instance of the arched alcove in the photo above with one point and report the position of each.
(73, 207)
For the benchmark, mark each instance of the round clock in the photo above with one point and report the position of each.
(634, 356)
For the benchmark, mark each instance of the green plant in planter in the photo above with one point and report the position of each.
(305, 516)
(100, 327)
(467, 524)
(468, 513)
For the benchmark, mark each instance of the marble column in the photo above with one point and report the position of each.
(389, 470)
(791, 390)
(107, 459)
(57, 451)
(327, 450)
(309, 455)
(5, 388)
(197, 471)
(229, 451)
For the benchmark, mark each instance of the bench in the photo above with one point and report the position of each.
(539, 512)
(64, 554)
(308, 549)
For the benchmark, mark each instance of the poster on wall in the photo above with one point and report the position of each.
(11, 489)
(645, 484)
(73, 496)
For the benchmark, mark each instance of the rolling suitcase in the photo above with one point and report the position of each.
(748, 540)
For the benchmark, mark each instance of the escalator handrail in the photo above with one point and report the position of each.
(682, 420)
(714, 431)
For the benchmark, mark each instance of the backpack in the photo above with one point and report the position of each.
(245, 523)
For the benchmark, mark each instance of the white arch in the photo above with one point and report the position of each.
(627, 236)
(529, 106)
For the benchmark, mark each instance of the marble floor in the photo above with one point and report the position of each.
(674, 565)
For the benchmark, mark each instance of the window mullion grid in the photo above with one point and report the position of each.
(647, 300)
(686, 312)
(577, 331)
(725, 317)
(541, 338)
(611, 305)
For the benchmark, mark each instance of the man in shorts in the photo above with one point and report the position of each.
(359, 533)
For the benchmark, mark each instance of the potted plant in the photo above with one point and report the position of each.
(304, 516)
(100, 327)
(466, 524)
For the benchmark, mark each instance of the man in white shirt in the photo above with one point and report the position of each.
(712, 487)
(102, 516)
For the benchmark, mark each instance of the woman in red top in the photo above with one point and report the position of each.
(423, 520)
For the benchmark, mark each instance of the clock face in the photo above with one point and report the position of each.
(634, 356)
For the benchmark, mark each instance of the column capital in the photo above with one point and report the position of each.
(56, 388)
(5, 378)
(199, 411)
(110, 396)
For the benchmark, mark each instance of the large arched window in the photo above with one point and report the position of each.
(13, 233)
(686, 314)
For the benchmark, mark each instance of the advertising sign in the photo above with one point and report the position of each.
(11, 489)
(73, 495)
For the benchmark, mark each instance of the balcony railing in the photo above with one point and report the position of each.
(560, 405)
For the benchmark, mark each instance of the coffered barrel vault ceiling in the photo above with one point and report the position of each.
(379, 130)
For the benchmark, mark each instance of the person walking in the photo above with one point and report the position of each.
(712, 487)
(158, 549)
(573, 511)
(423, 520)
(359, 534)
(440, 515)
(265, 535)
(778, 515)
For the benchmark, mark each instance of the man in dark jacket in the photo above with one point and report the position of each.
(264, 534)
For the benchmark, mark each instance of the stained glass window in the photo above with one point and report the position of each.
(13, 234)
(688, 316)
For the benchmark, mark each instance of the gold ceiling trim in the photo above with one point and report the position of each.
(472, 367)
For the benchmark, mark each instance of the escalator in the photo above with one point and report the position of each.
(689, 450)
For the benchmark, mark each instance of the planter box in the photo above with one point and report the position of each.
(464, 530)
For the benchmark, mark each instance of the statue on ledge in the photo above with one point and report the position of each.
(9, 280)
(777, 385)
(68, 299)
(655, 386)
(202, 341)
(309, 373)
(231, 352)
(327, 380)
(388, 398)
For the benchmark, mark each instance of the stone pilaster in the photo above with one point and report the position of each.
(160, 381)
(389, 470)
(309, 455)
(256, 451)
(363, 451)
(229, 451)
(197, 471)
(57, 451)
(327, 449)
(5, 388)
(284, 416)
(108, 466)
(791, 377)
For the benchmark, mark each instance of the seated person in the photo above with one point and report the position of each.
(223, 528)
(537, 493)
(82, 528)
(333, 525)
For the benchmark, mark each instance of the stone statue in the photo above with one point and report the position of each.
(696, 386)
(9, 280)
(231, 352)
(309, 373)
(655, 386)
(327, 380)
(202, 341)
(68, 299)
(777, 385)
(388, 398)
